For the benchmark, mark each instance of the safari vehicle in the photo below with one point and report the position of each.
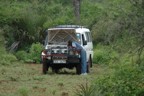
(57, 55)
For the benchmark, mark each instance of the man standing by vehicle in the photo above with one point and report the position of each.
(82, 55)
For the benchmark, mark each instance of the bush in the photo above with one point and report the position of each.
(126, 79)
(33, 55)
(104, 55)
(35, 52)
(7, 59)
(101, 56)
(23, 56)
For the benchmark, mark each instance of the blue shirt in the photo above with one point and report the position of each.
(77, 45)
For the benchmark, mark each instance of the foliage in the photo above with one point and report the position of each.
(22, 55)
(101, 56)
(6, 58)
(104, 55)
(125, 79)
(117, 28)
(26, 21)
(35, 52)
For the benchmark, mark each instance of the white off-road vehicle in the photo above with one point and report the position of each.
(57, 55)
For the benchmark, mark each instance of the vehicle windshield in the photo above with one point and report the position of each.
(79, 37)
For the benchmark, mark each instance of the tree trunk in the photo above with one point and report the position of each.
(76, 4)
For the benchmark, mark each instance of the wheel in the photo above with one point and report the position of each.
(55, 70)
(89, 64)
(78, 69)
(45, 67)
(90, 61)
(88, 68)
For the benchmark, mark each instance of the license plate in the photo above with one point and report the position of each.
(59, 61)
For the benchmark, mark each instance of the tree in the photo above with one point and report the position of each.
(76, 4)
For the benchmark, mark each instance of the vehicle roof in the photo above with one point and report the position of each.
(65, 27)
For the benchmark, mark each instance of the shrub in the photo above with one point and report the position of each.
(101, 56)
(23, 56)
(35, 52)
(126, 79)
(7, 59)
(33, 55)
(104, 55)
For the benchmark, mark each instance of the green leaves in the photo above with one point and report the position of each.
(35, 52)
(33, 56)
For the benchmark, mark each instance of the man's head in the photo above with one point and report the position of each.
(69, 43)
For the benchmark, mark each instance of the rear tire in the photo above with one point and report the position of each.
(89, 64)
(90, 60)
(88, 67)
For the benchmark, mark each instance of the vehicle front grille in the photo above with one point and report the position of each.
(59, 56)
(59, 51)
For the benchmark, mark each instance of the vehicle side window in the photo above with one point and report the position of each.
(88, 37)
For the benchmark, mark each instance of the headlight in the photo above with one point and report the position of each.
(43, 53)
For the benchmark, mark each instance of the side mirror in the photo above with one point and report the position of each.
(83, 40)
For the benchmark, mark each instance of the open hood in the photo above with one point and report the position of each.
(61, 35)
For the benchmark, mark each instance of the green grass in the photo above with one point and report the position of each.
(28, 80)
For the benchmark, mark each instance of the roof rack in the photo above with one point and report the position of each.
(69, 26)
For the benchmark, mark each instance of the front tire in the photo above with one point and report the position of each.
(54, 70)
(78, 69)
(45, 67)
